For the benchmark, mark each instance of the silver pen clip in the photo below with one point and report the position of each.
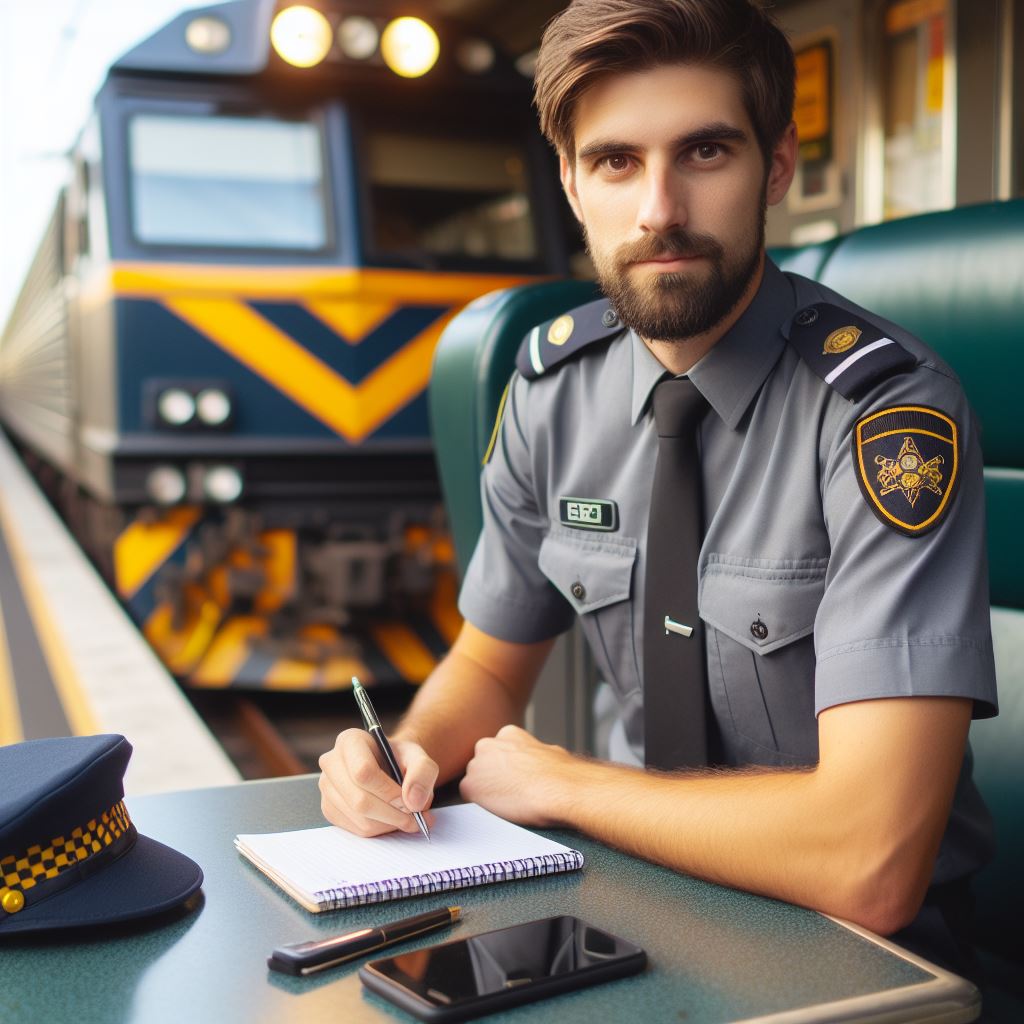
(370, 719)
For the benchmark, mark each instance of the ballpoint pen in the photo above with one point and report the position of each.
(373, 726)
(309, 957)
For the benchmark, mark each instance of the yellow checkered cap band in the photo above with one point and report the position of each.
(20, 873)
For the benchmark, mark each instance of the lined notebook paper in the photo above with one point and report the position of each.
(328, 868)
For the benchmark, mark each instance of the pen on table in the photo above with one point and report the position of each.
(319, 954)
(372, 723)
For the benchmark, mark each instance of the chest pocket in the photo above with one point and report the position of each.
(596, 578)
(761, 655)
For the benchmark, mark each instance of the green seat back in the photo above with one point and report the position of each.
(956, 279)
(806, 260)
(472, 364)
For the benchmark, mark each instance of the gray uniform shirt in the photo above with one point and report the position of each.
(808, 599)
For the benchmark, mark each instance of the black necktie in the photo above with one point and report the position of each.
(675, 731)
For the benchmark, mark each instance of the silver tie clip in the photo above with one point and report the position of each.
(671, 626)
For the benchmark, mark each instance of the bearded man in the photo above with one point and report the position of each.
(784, 587)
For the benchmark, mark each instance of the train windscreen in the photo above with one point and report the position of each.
(438, 196)
(238, 182)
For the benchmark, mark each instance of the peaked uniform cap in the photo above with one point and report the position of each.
(69, 853)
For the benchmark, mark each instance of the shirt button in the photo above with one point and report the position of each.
(758, 630)
(578, 591)
(609, 318)
(806, 317)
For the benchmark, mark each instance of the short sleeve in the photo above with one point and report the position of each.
(904, 613)
(504, 592)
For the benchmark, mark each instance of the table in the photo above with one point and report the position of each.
(715, 954)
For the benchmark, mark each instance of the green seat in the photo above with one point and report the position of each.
(472, 364)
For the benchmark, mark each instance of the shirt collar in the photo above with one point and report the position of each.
(730, 375)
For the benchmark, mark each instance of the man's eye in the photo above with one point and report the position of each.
(617, 163)
(708, 151)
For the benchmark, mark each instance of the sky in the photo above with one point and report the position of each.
(53, 56)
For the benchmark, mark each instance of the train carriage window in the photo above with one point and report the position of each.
(437, 196)
(239, 182)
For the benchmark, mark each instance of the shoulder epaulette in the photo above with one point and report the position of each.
(557, 340)
(847, 352)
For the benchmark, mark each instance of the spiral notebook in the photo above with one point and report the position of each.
(328, 868)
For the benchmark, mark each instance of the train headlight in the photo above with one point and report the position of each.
(301, 35)
(358, 37)
(176, 406)
(410, 47)
(222, 484)
(166, 485)
(208, 35)
(213, 407)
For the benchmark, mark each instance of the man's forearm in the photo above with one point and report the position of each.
(855, 836)
(774, 832)
(454, 708)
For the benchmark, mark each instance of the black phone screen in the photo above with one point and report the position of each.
(502, 968)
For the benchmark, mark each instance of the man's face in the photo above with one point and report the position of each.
(671, 188)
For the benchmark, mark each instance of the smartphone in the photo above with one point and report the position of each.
(467, 978)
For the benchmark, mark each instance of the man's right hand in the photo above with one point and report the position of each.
(358, 793)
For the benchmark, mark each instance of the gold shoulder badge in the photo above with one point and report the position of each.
(561, 330)
(841, 341)
(907, 460)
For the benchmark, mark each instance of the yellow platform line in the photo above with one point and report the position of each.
(73, 697)
(11, 730)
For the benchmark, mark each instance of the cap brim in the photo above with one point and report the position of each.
(148, 879)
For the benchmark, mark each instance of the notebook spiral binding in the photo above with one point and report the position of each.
(442, 881)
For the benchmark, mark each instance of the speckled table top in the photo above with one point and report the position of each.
(714, 954)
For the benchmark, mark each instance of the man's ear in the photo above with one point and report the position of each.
(783, 166)
(567, 173)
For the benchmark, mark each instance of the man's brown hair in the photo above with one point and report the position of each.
(591, 39)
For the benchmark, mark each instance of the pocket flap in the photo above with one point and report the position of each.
(589, 573)
(762, 604)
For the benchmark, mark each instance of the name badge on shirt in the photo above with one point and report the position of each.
(588, 513)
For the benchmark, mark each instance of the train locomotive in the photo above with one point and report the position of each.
(217, 363)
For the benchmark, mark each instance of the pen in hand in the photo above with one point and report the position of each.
(373, 726)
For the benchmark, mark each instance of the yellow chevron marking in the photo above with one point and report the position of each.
(11, 730)
(353, 319)
(405, 650)
(351, 411)
(228, 652)
(181, 650)
(444, 607)
(279, 567)
(72, 694)
(143, 547)
(290, 674)
(161, 280)
(338, 672)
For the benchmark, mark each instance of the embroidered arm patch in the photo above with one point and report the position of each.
(907, 460)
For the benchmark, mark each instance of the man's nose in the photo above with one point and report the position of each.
(662, 206)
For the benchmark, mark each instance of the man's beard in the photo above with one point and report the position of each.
(677, 307)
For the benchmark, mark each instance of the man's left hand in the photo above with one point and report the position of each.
(519, 778)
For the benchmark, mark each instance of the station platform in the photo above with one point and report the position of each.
(73, 663)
